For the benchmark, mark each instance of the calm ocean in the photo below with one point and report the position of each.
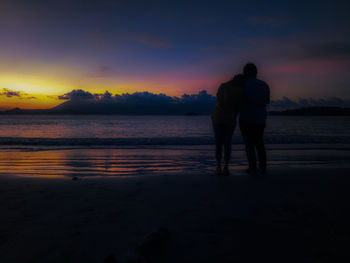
(67, 146)
(113, 130)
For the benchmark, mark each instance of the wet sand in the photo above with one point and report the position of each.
(175, 212)
(290, 215)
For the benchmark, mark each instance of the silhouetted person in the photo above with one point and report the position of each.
(228, 104)
(253, 118)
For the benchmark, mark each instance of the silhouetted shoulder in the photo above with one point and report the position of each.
(236, 82)
(220, 89)
(263, 83)
(267, 91)
(226, 84)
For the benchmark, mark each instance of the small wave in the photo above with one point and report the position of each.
(106, 141)
(269, 139)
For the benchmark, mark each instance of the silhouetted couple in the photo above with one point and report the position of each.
(246, 96)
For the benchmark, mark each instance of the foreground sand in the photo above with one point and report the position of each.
(291, 215)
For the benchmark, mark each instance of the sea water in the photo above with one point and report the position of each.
(115, 130)
(86, 145)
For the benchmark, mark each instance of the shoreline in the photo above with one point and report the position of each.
(99, 162)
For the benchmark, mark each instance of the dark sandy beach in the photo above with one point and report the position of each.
(294, 214)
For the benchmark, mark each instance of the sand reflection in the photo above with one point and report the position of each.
(99, 162)
(63, 163)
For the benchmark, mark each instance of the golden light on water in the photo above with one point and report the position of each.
(67, 163)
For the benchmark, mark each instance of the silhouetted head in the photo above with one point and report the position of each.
(239, 80)
(250, 71)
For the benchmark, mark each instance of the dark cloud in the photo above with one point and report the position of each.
(138, 97)
(283, 104)
(201, 97)
(18, 94)
(144, 97)
(77, 94)
(105, 96)
(81, 101)
(10, 93)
